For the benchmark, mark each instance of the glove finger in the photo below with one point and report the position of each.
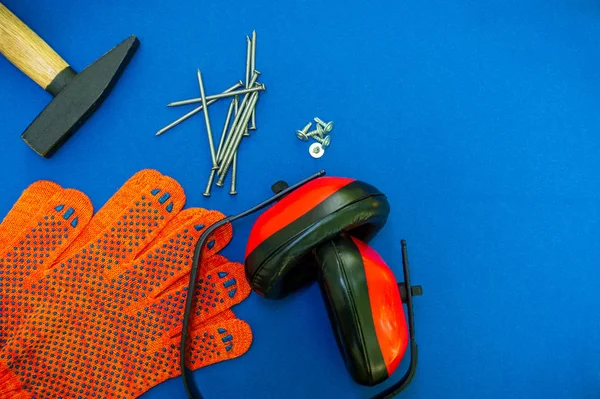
(217, 290)
(179, 237)
(209, 344)
(225, 315)
(139, 221)
(32, 252)
(207, 264)
(197, 219)
(54, 227)
(26, 207)
(169, 258)
(113, 208)
(214, 343)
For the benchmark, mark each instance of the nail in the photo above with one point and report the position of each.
(238, 116)
(195, 111)
(235, 142)
(211, 143)
(225, 128)
(237, 137)
(248, 69)
(243, 115)
(253, 66)
(233, 189)
(248, 60)
(217, 96)
(211, 178)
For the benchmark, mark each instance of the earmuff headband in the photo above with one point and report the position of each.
(190, 388)
(414, 349)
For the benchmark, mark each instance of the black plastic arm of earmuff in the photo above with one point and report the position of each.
(191, 390)
(414, 349)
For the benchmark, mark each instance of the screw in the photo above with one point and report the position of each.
(328, 127)
(325, 141)
(316, 150)
(317, 132)
(301, 134)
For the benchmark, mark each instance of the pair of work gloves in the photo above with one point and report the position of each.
(91, 306)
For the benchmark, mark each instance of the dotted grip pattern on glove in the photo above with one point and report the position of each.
(96, 311)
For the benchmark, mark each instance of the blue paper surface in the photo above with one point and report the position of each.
(479, 119)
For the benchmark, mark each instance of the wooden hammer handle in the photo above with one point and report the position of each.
(27, 51)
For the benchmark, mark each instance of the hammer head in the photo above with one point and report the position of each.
(78, 97)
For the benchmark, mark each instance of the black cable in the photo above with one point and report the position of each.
(190, 388)
(414, 349)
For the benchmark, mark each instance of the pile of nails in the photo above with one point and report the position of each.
(243, 111)
(320, 135)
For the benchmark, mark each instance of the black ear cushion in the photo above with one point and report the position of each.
(284, 261)
(343, 282)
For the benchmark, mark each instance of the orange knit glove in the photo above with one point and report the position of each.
(105, 320)
(48, 218)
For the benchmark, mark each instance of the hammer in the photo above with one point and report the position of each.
(76, 95)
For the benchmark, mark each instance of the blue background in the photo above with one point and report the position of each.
(479, 119)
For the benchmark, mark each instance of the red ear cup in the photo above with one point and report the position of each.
(364, 307)
(279, 252)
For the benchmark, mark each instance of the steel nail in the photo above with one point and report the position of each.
(211, 178)
(225, 127)
(218, 96)
(211, 143)
(237, 137)
(242, 106)
(253, 67)
(248, 60)
(213, 172)
(195, 111)
(233, 189)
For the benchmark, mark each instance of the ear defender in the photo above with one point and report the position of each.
(364, 307)
(319, 231)
(279, 255)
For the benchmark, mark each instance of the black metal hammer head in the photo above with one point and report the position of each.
(76, 97)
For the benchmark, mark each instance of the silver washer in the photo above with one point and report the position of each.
(316, 150)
